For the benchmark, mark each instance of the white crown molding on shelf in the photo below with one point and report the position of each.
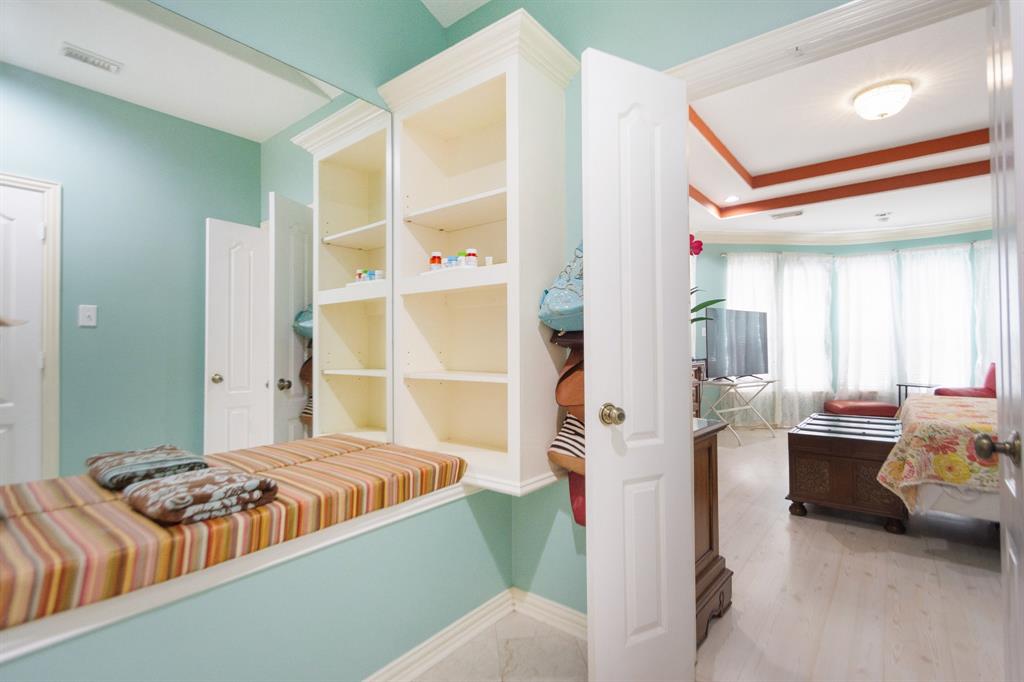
(421, 658)
(342, 128)
(843, 238)
(518, 33)
(24, 639)
(829, 33)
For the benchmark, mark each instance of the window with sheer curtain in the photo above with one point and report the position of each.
(924, 315)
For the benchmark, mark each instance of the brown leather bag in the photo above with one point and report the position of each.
(569, 390)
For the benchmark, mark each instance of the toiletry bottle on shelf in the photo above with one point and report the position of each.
(489, 260)
(462, 259)
(435, 260)
(360, 275)
(471, 257)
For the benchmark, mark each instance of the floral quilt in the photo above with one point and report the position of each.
(937, 446)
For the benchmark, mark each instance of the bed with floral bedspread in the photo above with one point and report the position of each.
(937, 446)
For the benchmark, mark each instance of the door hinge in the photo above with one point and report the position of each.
(42, 359)
(42, 232)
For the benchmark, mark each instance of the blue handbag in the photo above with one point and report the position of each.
(561, 304)
(303, 323)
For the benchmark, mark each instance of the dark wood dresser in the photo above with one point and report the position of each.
(714, 580)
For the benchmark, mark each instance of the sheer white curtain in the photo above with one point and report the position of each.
(986, 308)
(867, 327)
(795, 290)
(936, 294)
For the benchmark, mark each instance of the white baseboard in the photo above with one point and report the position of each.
(429, 653)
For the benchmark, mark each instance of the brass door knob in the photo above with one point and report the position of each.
(284, 384)
(610, 414)
(986, 448)
(216, 378)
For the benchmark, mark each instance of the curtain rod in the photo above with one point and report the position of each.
(826, 253)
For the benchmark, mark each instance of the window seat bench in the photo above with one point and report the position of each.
(68, 542)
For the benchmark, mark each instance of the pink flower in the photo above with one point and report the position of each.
(696, 246)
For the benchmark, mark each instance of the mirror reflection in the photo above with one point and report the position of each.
(167, 302)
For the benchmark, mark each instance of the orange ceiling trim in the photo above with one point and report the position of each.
(928, 177)
(703, 200)
(938, 145)
(720, 147)
(913, 150)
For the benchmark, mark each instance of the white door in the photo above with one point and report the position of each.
(1006, 58)
(21, 335)
(640, 527)
(291, 234)
(238, 340)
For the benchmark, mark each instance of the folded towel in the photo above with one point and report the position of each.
(115, 470)
(199, 495)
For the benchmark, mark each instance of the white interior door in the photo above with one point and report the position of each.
(238, 337)
(291, 234)
(1007, 58)
(640, 526)
(21, 344)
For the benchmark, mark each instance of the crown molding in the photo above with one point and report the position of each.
(342, 128)
(843, 238)
(517, 34)
(829, 33)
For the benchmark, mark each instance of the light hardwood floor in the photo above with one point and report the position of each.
(829, 596)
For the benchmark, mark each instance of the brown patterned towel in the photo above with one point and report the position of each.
(199, 495)
(115, 470)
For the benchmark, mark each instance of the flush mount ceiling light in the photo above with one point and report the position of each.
(731, 199)
(787, 214)
(91, 58)
(883, 100)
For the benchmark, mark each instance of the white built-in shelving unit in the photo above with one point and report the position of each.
(479, 136)
(352, 348)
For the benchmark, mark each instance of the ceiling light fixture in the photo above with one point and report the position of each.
(731, 199)
(883, 100)
(787, 214)
(91, 58)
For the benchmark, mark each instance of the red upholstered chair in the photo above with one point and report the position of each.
(986, 391)
(861, 408)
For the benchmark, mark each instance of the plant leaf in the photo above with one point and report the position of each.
(698, 319)
(705, 304)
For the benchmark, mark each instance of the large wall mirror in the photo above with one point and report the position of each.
(179, 234)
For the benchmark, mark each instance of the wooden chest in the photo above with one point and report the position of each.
(834, 461)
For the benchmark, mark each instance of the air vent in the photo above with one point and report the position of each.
(787, 214)
(91, 58)
(883, 217)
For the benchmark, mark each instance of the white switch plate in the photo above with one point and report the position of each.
(86, 316)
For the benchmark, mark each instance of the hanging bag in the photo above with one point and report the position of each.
(561, 304)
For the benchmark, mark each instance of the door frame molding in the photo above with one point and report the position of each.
(50, 418)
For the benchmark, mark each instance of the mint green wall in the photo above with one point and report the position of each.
(354, 44)
(137, 188)
(337, 614)
(287, 168)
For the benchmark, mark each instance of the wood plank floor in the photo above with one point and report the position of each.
(832, 596)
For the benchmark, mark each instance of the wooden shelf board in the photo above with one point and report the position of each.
(476, 209)
(456, 278)
(365, 237)
(364, 291)
(451, 375)
(378, 373)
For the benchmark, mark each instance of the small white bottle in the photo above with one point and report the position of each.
(471, 257)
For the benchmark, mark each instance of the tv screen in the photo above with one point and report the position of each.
(737, 343)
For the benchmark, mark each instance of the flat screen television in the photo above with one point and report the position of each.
(737, 342)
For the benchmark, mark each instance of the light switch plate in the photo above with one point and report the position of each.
(86, 316)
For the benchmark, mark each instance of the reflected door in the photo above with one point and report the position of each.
(238, 337)
(640, 523)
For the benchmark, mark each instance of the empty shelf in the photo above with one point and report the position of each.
(356, 372)
(448, 375)
(363, 291)
(369, 433)
(456, 278)
(366, 237)
(477, 209)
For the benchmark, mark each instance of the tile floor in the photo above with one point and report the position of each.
(830, 596)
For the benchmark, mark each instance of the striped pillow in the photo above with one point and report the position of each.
(570, 438)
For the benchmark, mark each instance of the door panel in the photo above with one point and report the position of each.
(640, 538)
(238, 341)
(291, 236)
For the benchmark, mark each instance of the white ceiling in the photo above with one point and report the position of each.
(805, 115)
(171, 64)
(447, 12)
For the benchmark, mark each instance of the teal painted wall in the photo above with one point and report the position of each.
(354, 44)
(287, 168)
(337, 614)
(137, 188)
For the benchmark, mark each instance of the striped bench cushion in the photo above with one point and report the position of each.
(51, 494)
(58, 559)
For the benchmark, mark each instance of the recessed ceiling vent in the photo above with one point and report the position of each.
(787, 214)
(91, 58)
